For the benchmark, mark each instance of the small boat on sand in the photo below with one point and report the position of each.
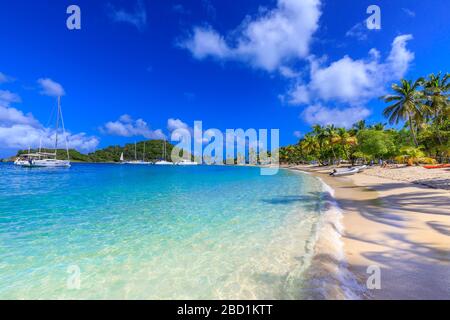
(361, 168)
(437, 166)
(347, 171)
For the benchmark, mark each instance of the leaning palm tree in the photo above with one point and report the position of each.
(408, 105)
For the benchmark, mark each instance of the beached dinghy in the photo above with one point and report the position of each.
(361, 168)
(437, 166)
(344, 172)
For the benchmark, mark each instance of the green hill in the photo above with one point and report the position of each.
(153, 152)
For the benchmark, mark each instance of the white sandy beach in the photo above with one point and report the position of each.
(401, 227)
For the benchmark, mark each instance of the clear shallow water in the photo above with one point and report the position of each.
(148, 232)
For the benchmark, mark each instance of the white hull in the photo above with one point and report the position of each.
(361, 168)
(345, 172)
(137, 162)
(187, 163)
(21, 162)
(45, 159)
(45, 163)
(164, 163)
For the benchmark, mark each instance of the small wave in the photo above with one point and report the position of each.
(328, 276)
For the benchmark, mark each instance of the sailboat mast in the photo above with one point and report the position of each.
(143, 154)
(63, 129)
(57, 125)
(135, 151)
(164, 150)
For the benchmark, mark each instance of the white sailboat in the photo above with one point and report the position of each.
(185, 162)
(136, 161)
(164, 162)
(46, 159)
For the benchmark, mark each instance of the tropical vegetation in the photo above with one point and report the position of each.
(153, 152)
(418, 114)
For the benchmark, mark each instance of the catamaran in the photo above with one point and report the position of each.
(136, 161)
(164, 162)
(47, 159)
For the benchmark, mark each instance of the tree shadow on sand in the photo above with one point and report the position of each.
(411, 269)
(440, 227)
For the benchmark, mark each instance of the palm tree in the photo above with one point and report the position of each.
(436, 90)
(309, 144)
(346, 140)
(360, 125)
(332, 138)
(321, 136)
(408, 105)
(379, 126)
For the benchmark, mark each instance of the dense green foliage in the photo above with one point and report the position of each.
(153, 151)
(74, 155)
(422, 106)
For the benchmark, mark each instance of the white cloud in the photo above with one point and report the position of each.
(23, 136)
(11, 116)
(400, 58)
(7, 97)
(288, 72)
(137, 18)
(4, 78)
(353, 81)
(358, 31)
(20, 131)
(207, 42)
(345, 80)
(297, 134)
(126, 126)
(409, 12)
(342, 117)
(298, 95)
(174, 124)
(267, 41)
(51, 88)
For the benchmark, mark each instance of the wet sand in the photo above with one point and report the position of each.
(400, 227)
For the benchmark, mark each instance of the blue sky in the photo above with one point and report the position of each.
(141, 68)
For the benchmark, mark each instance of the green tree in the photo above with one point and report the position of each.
(408, 105)
(375, 144)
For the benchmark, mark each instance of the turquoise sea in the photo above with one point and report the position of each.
(98, 231)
